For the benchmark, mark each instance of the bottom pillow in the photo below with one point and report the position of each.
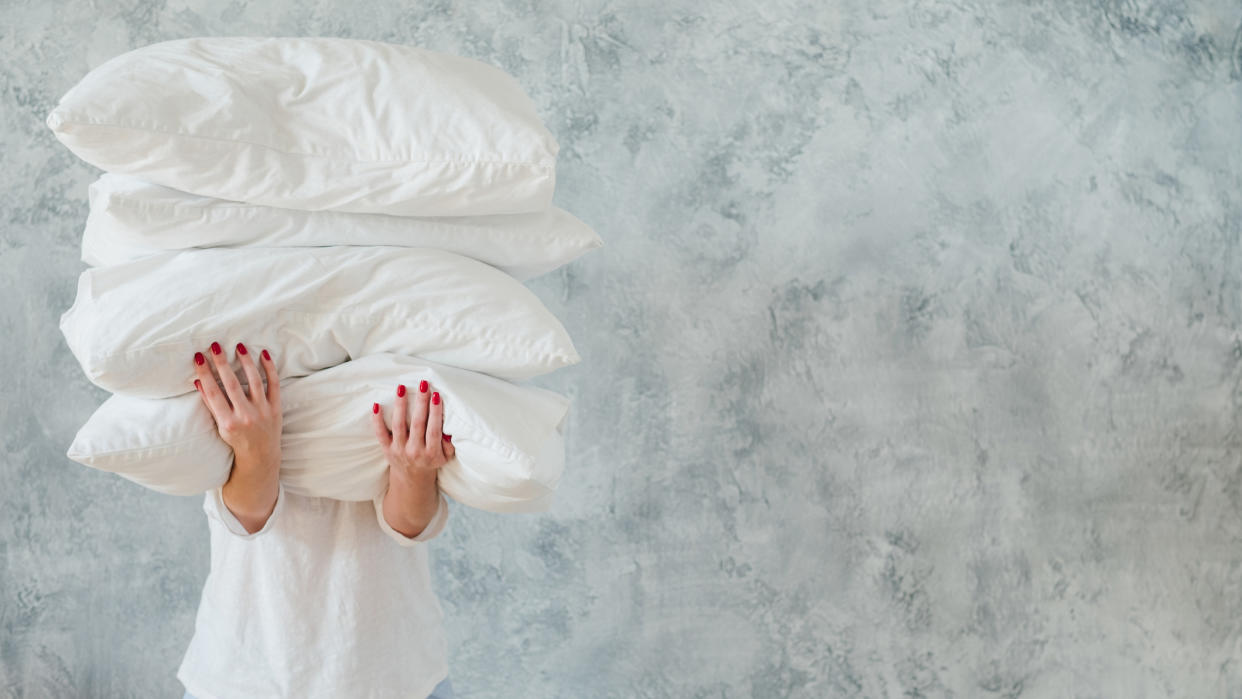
(509, 438)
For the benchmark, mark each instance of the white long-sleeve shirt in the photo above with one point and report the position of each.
(326, 600)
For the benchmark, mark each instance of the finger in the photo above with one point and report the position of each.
(381, 429)
(449, 450)
(399, 410)
(435, 422)
(418, 426)
(232, 387)
(253, 382)
(215, 400)
(273, 379)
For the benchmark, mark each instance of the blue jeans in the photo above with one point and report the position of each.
(444, 690)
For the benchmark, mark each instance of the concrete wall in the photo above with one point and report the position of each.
(911, 364)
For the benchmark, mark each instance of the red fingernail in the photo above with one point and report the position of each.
(448, 437)
(215, 348)
(241, 349)
(435, 398)
(266, 355)
(199, 358)
(198, 384)
(401, 390)
(375, 407)
(422, 386)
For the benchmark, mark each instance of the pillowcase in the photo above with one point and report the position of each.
(135, 327)
(131, 218)
(315, 123)
(509, 438)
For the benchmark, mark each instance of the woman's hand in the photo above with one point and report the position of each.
(416, 449)
(250, 422)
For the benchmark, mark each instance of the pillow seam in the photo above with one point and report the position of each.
(134, 204)
(162, 446)
(484, 335)
(539, 164)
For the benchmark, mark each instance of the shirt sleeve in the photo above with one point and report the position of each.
(431, 531)
(215, 507)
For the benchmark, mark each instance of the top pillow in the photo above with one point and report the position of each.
(315, 124)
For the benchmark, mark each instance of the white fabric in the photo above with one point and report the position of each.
(315, 123)
(509, 439)
(131, 218)
(134, 327)
(326, 600)
(170, 445)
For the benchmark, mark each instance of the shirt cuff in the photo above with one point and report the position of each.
(215, 498)
(429, 532)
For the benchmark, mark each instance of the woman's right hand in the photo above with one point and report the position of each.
(249, 420)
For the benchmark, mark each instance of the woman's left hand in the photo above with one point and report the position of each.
(416, 450)
(416, 446)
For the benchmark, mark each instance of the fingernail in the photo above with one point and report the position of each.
(375, 408)
(215, 348)
(448, 437)
(198, 384)
(435, 398)
(199, 358)
(266, 355)
(241, 349)
(401, 390)
(422, 386)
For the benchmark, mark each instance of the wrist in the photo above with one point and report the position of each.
(252, 500)
(410, 502)
(256, 462)
(252, 488)
(416, 479)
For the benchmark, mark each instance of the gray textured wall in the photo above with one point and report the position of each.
(911, 365)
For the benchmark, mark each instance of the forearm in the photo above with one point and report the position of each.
(251, 490)
(411, 501)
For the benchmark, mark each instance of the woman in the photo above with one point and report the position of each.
(314, 597)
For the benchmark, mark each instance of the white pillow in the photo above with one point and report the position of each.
(509, 437)
(134, 327)
(131, 218)
(315, 123)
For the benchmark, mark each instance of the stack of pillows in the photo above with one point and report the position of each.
(368, 211)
